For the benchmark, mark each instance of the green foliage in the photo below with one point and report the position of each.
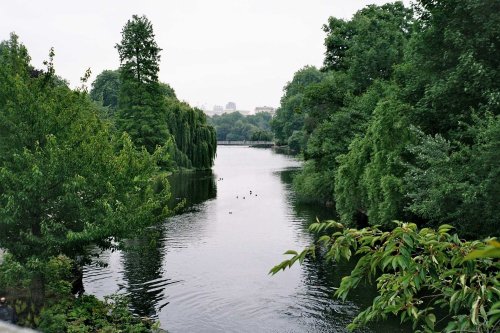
(195, 139)
(139, 53)
(404, 118)
(452, 65)
(65, 181)
(54, 309)
(451, 182)
(419, 274)
(236, 127)
(337, 105)
(313, 183)
(370, 174)
(149, 110)
(29, 285)
(13, 274)
(188, 128)
(106, 88)
(141, 103)
(368, 46)
(289, 117)
(88, 314)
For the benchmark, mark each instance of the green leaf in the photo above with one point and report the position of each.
(324, 239)
(490, 251)
(430, 320)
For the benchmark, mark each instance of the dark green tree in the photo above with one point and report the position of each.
(452, 65)
(195, 140)
(289, 118)
(141, 111)
(359, 64)
(106, 88)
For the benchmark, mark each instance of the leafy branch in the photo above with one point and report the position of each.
(416, 272)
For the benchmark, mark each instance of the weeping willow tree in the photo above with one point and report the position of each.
(191, 141)
(195, 140)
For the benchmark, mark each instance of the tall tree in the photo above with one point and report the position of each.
(141, 103)
(139, 53)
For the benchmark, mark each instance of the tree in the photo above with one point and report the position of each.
(66, 182)
(368, 45)
(289, 117)
(454, 183)
(452, 65)
(236, 127)
(195, 140)
(106, 88)
(336, 107)
(139, 53)
(369, 179)
(141, 111)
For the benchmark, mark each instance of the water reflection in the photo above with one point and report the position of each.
(194, 187)
(142, 261)
(143, 257)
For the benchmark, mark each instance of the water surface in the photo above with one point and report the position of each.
(206, 270)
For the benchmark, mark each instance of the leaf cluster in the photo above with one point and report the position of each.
(420, 274)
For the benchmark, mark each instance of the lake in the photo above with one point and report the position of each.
(206, 268)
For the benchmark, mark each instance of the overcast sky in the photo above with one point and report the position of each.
(214, 51)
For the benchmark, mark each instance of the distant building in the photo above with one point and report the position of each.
(218, 109)
(231, 106)
(268, 109)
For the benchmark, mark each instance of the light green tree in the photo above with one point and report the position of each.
(65, 181)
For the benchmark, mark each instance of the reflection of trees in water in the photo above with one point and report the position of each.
(144, 255)
(143, 260)
(194, 187)
(306, 211)
(316, 302)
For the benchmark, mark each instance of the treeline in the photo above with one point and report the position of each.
(236, 127)
(402, 121)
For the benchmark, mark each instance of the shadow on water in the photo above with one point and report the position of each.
(142, 260)
(193, 187)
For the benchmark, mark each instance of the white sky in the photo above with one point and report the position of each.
(214, 51)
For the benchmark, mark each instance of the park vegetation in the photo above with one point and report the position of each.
(403, 119)
(402, 123)
(236, 127)
(81, 171)
(136, 102)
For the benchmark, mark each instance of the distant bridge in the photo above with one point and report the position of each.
(246, 143)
